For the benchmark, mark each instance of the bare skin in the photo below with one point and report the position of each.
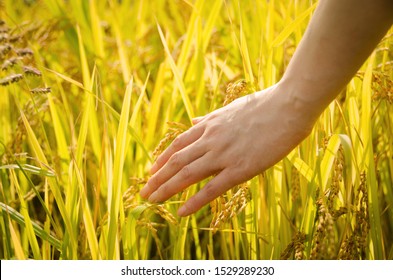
(244, 138)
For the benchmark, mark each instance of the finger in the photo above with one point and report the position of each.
(181, 141)
(197, 120)
(176, 162)
(186, 176)
(225, 180)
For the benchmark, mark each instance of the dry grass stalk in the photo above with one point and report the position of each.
(129, 196)
(13, 51)
(323, 239)
(41, 90)
(24, 52)
(235, 90)
(339, 212)
(15, 38)
(31, 71)
(3, 37)
(355, 245)
(288, 251)
(164, 213)
(337, 178)
(9, 63)
(295, 184)
(295, 246)
(83, 250)
(152, 228)
(299, 245)
(6, 48)
(348, 249)
(382, 84)
(11, 79)
(30, 109)
(102, 223)
(229, 208)
(4, 29)
(362, 225)
(216, 207)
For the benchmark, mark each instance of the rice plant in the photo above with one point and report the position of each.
(92, 91)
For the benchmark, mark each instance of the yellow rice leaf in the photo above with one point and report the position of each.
(178, 79)
(52, 182)
(120, 153)
(87, 218)
(328, 159)
(300, 165)
(66, 78)
(291, 27)
(28, 224)
(20, 255)
(39, 231)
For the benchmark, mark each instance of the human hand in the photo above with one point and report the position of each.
(234, 143)
(254, 132)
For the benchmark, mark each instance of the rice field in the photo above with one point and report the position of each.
(91, 92)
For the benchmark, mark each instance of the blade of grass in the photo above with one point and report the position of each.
(30, 168)
(130, 235)
(328, 159)
(138, 104)
(245, 55)
(291, 27)
(96, 30)
(20, 255)
(123, 56)
(87, 218)
(368, 163)
(52, 183)
(115, 114)
(178, 79)
(39, 231)
(300, 165)
(28, 224)
(114, 197)
(155, 104)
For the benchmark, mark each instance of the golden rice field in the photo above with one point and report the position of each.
(92, 91)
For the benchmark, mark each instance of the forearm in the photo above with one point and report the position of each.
(339, 38)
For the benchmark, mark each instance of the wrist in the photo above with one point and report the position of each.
(299, 109)
(305, 98)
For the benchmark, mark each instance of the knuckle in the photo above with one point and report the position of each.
(160, 160)
(164, 189)
(175, 160)
(213, 130)
(163, 192)
(177, 143)
(185, 172)
(210, 191)
(154, 181)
